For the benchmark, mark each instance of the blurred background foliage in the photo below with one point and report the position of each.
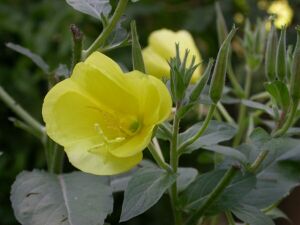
(43, 27)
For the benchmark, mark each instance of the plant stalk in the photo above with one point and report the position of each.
(224, 182)
(25, 116)
(174, 164)
(289, 122)
(242, 110)
(107, 29)
(158, 159)
(201, 130)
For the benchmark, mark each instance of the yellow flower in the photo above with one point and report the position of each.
(103, 117)
(283, 12)
(162, 47)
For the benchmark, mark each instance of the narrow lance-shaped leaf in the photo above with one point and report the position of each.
(219, 73)
(198, 88)
(137, 58)
(281, 62)
(221, 24)
(270, 57)
(34, 57)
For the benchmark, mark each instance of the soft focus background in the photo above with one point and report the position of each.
(43, 27)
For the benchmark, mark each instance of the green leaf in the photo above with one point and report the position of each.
(75, 199)
(280, 93)
(279, 172)
(251, 215)
(215, 133)
(137, 58)
(118, 38)
(34, 57)
(94, 8)
(227, 151)
(144, 190)
(186, 177)
(164, 131)
(257, 105)
(196, 194)
(277, 213)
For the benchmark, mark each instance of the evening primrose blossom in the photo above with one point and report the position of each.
(161, 48)
(103, 117)
(283, 12)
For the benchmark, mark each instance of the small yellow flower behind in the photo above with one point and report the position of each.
(161, 47)
(103, 117)
(283, 12)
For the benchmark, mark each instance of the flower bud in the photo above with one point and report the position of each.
(270, 57)
(219, 73)
(281, 61)
(221, 24)
(161, 49)
(295, 76)
(201, 83)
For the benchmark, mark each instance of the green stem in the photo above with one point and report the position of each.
(235, 84)
(201, 130)
(230, 218)
(25, 116)
(174, 164)
(225, 114)
(158, 159)
(56, 165)
(289, 122)
(107, 29)
(242, 110)
(217, 191)
(258, 161)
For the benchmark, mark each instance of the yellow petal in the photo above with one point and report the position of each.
(102, 163)
(68, 113)
(111, 94)
(135, 144)
(155, 64)
(154, 98)
(106, 66)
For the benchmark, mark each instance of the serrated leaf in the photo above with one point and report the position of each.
(93, 8)
(144, 190)
(280, 93)
(69, 199)
(34, 57)
(215, 133)
(251, 215)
